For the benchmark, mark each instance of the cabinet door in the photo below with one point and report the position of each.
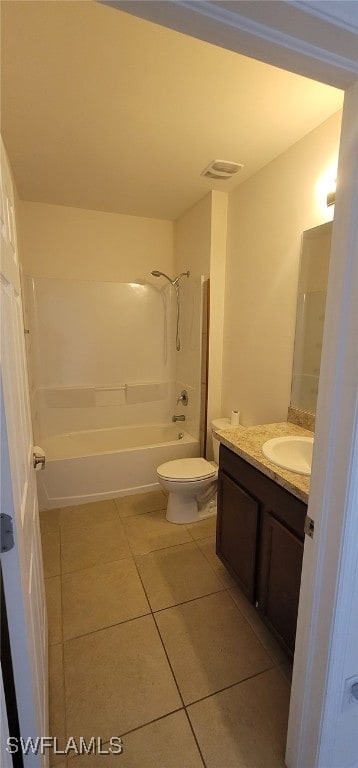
(238, 515)
(279, 579)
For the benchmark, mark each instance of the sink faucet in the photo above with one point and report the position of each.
(178, 418)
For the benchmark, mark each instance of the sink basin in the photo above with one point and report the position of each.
(293, 453)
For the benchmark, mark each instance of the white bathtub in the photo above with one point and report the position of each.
(105, 463)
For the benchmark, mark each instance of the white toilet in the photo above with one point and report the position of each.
(192, 483)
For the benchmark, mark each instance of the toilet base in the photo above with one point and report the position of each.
(181, 510)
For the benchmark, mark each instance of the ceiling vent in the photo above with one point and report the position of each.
(221, 169)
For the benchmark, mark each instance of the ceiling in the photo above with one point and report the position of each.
(106, 111)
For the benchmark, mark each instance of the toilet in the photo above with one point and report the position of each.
(192, 484)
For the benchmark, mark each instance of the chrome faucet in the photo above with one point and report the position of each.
(178, 418)
(183, 397)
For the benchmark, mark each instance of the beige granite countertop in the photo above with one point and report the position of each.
(247, 442)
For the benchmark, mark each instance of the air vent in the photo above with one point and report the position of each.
(221, 169)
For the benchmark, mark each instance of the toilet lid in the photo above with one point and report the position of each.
(186, 469)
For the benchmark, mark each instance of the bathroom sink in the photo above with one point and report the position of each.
(293, 453)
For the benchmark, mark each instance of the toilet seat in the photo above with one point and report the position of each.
(187, 470)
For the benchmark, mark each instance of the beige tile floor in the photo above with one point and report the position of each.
(151, 640)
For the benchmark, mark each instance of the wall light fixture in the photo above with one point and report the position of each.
(331, 195)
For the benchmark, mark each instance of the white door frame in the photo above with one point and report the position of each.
(325, 628)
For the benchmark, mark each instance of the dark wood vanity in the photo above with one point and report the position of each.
(259, 538)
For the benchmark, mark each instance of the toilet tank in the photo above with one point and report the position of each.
(218, 424)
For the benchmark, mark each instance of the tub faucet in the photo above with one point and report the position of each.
(178, 418)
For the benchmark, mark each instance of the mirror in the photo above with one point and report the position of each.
(311, 302)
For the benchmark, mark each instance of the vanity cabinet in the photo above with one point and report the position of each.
(279, 578)
(238, 533)
(259, 538)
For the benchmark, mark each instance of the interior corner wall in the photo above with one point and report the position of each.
(192, 247)
(62, 242)
(192, 239)
(266, 218)
(218, 249)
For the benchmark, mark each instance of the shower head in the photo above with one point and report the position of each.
(156, 273)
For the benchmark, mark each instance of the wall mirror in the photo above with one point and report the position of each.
(311, 303)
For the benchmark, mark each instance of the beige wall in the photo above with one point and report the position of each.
(267, 215)
(61, 242)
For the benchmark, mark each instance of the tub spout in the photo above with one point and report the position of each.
(178, 418)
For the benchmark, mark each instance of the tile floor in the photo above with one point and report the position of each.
(151, 640)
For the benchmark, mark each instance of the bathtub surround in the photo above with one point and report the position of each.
(100, 355)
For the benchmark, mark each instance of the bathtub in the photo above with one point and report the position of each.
(105, 463)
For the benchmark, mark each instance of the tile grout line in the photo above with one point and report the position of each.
(171, 669)
(207, 559)
(242, 614)
(194, 736)
(143, 554)
(97, 565)
(228, 687)
(141, 615)
(151, 611)
(160, 637)
(139, 727)
(190, 600)
(108, 626)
